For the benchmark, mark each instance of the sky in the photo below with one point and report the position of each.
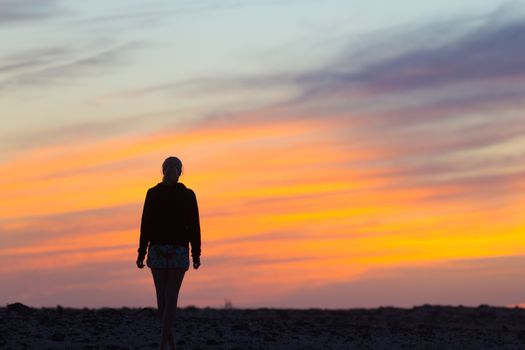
(343, 153)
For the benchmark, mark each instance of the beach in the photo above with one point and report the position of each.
(420, 327)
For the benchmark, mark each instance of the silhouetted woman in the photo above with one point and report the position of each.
(170, 222)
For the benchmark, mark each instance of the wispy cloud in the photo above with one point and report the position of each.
(45, 229)
(12, 11)
(479, 72)
(458, 282)
(146, 13)
(48, 66)
(490, 51)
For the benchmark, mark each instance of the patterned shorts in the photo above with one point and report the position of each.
(168, 256)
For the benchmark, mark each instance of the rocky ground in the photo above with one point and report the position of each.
(424, 327)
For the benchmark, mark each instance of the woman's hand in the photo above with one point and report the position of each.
(196, 262)
(140, 262)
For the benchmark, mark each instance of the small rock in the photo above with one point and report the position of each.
(269, 338)
(57, 336)
(18, 307)
(43, 320)
(91, 347)
(240, 327)
(213, 342)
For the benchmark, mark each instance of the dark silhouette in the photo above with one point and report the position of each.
(170, 222)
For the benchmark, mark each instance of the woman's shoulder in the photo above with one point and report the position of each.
(187, 189)
(178, 186)
(160, 187)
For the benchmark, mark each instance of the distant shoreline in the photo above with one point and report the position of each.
(192, 307)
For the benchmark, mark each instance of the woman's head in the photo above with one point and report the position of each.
(171, 169)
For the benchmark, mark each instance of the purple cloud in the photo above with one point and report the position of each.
(35, 230)
(24, 10)
(494, 281)
(493, 51)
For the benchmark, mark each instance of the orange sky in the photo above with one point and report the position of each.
(281, 204)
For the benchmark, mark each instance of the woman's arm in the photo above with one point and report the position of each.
(145, 226)
(195, 229)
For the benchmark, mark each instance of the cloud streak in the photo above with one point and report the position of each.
(13, 11)
(48, 66)
(460, 282)
(490, 52)
(45, 229)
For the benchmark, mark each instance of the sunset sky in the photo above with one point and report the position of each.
(343, 153)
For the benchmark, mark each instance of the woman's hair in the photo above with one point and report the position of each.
(171, 169)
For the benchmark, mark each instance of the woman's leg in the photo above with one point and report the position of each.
(160, 277)
(174, 282)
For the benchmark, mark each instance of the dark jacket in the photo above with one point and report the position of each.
(170, 216)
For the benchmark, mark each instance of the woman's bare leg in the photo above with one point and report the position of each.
(160, 277)
(174, 282)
